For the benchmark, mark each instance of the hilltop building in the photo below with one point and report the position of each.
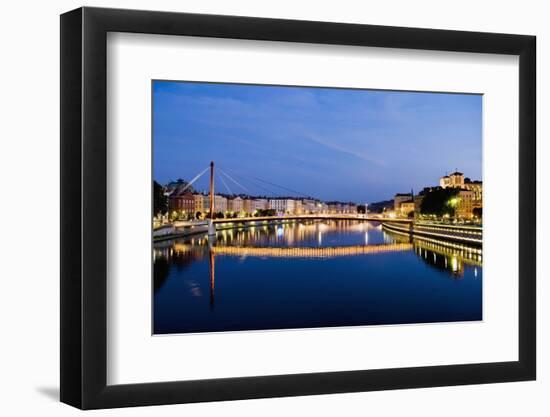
(470, 194)
(457, 180)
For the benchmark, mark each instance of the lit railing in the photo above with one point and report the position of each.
(338, 216)
(442, 232)
(475, 231)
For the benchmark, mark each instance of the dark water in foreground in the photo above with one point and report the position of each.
(340, 273)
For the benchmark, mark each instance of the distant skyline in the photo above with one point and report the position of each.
(328, 143)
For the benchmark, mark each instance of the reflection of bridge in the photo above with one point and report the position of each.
(293, 252)
(443, 254)
(309, 252)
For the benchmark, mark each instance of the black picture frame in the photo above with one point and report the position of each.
(84, 207)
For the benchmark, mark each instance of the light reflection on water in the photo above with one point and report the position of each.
(306, 233)
(311, 274)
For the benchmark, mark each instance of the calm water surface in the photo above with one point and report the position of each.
(311, 274)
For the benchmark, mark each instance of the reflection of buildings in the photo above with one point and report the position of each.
(171, 253)
(448, 263)
(212, 271)
(287, 233)
(182, 254)
(261, 241)
(444, 255)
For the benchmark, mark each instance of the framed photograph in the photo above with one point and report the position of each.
(257, 208)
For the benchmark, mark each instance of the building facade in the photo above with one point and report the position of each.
(334, 207)
(465, 206)
(455, 180)
(403, 204)
(235, 204)
(309, 206)
(282, 205)
(183, 203)
(260, 204)
(406, 208)
(247, 205)
(298, 207)
(202, 202)
(470, 194)
(220, 203)
(477, 188)
(400, 198)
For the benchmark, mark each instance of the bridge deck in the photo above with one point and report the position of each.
(309, 216)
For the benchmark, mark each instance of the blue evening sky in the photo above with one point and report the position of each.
(332, 144)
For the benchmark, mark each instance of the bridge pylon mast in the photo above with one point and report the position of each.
(211, 190)
(211, 226)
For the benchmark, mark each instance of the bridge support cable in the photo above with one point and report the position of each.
(254, 183)
(298, 193)
(190, 183)
(234, 180)
(282, 187)
(224, 183)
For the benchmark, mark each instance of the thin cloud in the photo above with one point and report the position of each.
(337, 147)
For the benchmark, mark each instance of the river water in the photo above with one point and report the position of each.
(311, 274)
